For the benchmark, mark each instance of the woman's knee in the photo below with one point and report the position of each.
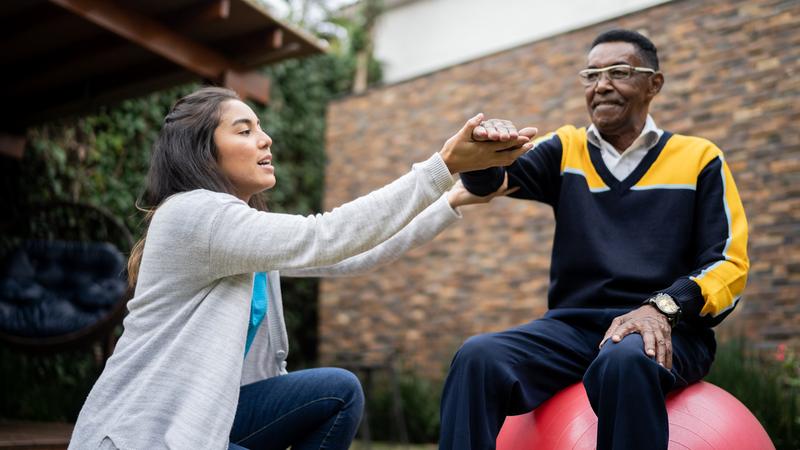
(345, 385)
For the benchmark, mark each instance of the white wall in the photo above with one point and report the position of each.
(422, 36)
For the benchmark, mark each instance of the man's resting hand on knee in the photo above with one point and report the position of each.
(652, 325)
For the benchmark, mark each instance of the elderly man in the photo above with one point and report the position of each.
(649, 253)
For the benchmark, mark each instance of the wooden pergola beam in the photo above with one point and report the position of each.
(276, 38)
(192, 16)
(65, 66)
(27, 41)
(68, 69)
(149, 34)
(170, 45)
(255, 42)
(247, 81)
(24, 42)
(120, 86)
(12, 145)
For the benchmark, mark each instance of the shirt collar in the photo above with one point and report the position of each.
(647, 138)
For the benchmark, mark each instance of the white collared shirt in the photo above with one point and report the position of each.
(622, 164)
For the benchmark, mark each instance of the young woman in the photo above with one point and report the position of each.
(204, 343)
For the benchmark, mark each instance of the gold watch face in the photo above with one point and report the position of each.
(666, 304)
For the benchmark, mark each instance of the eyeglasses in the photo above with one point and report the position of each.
(618, 72)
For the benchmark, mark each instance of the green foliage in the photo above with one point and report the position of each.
(45, 387)
(420, 405)
(768, 386)
(99, 159)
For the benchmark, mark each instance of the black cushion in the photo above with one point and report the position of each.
(50, 288)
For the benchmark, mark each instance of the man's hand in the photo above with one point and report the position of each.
(460, 196)
(500, 130)
(654, 328)
(462, 153)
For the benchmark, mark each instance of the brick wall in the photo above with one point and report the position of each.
(732, 75)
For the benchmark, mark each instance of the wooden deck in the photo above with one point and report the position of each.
(34, 435)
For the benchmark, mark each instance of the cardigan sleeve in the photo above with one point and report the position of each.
(426, 226)
(243, 240)
(712, 290)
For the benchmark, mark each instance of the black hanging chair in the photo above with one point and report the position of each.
(63, 283)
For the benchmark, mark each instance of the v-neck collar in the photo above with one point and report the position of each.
(637, 174)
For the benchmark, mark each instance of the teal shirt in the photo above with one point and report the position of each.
(258, 307)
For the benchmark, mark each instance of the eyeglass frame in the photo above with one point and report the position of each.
(605, 70)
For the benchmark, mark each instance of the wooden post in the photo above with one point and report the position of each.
(12, 145)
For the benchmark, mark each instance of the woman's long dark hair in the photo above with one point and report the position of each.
(184, 158)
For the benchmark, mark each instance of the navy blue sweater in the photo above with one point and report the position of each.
(675, 225)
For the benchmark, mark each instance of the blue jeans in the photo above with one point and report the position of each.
(307, 409)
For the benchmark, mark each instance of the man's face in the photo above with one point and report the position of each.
(619, 106)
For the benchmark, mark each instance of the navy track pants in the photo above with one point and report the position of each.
(512, 372)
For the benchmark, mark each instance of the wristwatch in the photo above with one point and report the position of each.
(667, 306)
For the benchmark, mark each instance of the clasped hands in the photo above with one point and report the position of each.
(482, 144)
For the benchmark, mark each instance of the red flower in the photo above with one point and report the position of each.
(780, 352)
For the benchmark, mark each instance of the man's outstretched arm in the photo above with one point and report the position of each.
(536, 173)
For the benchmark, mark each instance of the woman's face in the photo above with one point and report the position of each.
(244, 150)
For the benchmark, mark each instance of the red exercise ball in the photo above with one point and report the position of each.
(701, 417)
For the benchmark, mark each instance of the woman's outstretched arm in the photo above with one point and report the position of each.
(424, 228)
(242, 240)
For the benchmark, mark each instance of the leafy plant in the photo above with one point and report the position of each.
(419, 399)
(45, 387)
(766, 384)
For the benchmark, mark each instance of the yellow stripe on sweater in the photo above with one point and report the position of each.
(679, 163)
(723, 282)
(575, 157)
